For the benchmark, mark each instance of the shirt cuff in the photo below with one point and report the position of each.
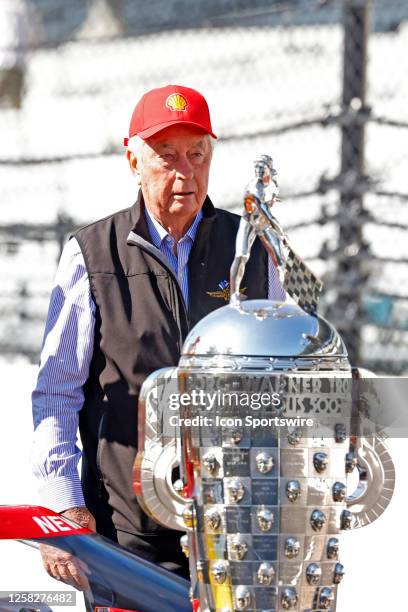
(62, 492)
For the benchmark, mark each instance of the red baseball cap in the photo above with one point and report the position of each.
(165, 106)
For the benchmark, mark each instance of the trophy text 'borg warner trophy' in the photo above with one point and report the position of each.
(263, 498)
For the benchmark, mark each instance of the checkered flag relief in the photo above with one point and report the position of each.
(300, 282)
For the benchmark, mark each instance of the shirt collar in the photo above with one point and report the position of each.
(158, 233)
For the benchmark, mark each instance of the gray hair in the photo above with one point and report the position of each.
(135, 145)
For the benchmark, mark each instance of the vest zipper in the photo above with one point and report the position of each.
(143, 244)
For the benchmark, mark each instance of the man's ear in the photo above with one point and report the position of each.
(133, 163)
(131, 157)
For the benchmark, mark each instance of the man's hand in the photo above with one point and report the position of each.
(62, 565)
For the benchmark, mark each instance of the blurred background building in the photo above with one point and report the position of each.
(320, 85)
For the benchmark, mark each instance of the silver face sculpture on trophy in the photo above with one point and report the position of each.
(263, 496)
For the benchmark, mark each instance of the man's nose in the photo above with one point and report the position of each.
(184, 168)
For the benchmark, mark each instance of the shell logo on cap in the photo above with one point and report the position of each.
(176, 102)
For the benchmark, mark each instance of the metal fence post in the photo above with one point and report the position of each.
(353, 253)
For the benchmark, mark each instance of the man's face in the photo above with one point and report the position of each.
(174, 170)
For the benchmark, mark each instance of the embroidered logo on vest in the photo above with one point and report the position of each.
(224, 293)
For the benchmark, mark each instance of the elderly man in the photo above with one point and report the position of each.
(128, 289)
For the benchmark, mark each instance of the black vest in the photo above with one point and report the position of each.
(141, 323)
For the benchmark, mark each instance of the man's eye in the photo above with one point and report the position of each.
(197, 155)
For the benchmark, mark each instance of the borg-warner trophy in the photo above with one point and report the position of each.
(262, 497)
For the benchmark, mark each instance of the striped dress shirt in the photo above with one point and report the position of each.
(66, 356)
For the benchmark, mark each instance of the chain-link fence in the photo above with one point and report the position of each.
(273, 74)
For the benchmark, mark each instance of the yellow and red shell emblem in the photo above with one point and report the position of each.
(176, 102)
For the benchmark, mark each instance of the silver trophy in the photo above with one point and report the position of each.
(261, 417)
